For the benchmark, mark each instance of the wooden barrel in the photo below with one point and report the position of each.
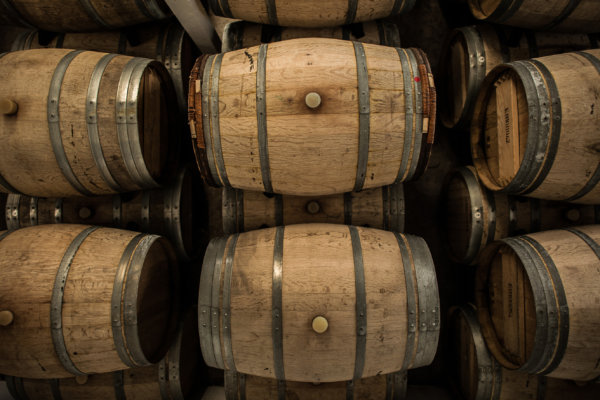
(535, 128)
(167, 43)
(540, 15)
(318, 303)
(80, 16)
(371, 125)
(85, 300)
(390, 386)
(84, 123)
(478, 376)
(309, 13)
(381, 208)
(172, 212)
(538, 298)
(471, 52)
(241, 34)
(173, 378)
(476, 216)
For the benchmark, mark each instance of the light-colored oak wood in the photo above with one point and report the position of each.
(309, 13)
(29, 260)
(313, 152)
(540, 15)
(508, 304)
(566, 168)
(28, 163)
(72, 16)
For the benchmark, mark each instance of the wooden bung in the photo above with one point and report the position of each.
(379, 101)
(175, 377)
(535, 131)
(120, 285)
(81, 16)
(124, 143)
(540, 15)
(390, 386)
(309, 13)
(476, 216)
(538, 298)
(269, 285)
(478, 376)
(382, 208)
(313, 100)
(8, 107)
(471, 52)
(242, 34)
(176, 212)
(166, 42)
(6, 317)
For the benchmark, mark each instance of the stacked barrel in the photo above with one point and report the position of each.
(528, 98)
(314, 292)
(100, 203)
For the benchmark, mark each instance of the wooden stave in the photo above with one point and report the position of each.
(161, 381)
(212, 165)
(238, 386)
(391, 199)
(132, 211)
(492, 228)
(172, 42)
(552, 339)
(532, 170)
(138, 175)
(420, 349)
(223, 8)
(235, 35)
(129, 352)
(89, 18)
(508, 12)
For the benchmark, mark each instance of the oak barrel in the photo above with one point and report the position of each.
(85, 123)
(535, 128)
(85, 300)
(173, 378)
(241, 34)
(80, 15)
(478, 376)
(362, 301)
(309, 13)
(312, 116)
(471, 52)
(540, 15)
(382, 208)
(476, 216)
(538, 298)
(390, 386)
(165, 42)
(174, 211)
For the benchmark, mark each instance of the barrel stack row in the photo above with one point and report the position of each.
(91, 132)
(528, 99)
(312, 154)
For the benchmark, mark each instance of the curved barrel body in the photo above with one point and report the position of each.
(471, 52)
(167, 43)
(476, 216)
(538, 298)
(382, 208)
(81, 15)
(540, 15)
(362, 301)
(85, 123)
(309, 13)
(312, 116)
(535, 129)
(478, 375)
(390, 386)
(85, 300)
(241, 34)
